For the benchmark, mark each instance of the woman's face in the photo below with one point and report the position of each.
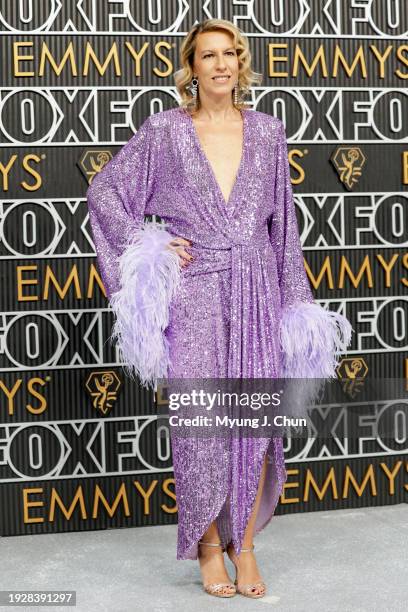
(214, 56)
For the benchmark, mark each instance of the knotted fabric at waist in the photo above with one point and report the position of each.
(214, 258)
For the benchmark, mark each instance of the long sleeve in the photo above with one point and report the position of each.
(284, 232)
(312, 338)
(139, 273)
(117, 200)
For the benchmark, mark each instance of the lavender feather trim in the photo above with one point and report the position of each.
(149, 278)
(312, 339)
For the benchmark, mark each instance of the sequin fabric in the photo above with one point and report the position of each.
(248, 267)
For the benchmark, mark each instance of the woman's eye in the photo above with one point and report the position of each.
(210, 54)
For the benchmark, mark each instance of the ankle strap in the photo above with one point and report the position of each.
(248, 549)
(209, 543)
(242, 549)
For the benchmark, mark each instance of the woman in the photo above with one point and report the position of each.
(219, 291)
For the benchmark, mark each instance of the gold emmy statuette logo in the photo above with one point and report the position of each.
(348, 162)
(161, 395)
(103, 387)
(352, 371)
(93, 162)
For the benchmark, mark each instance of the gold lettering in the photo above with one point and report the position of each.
(23, 58)
(25, 281)
(404, 281)
(292, 155)
(78, 499)
(31, 504)
(400, 55)
(46, 55)
(137, 55)
(94, 276)
(330, 479)
(32, 172)
(405, 167)
(110, 509)
(73, 277)
(319, 57)
(345, 267)
(381, 58)
(358, 59)
(171, 494)
(5, 171)
(349, 478)
(34, 392)
(391, 474)
(157, 49)
(387, 267)
(145, 494)
(90, 54)
(290, 485)
(325, 269)
(274, 59)
(10, 394)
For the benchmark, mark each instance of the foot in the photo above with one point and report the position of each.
(248, 578)
(213, 570)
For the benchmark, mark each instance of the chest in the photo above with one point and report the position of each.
(223, 148)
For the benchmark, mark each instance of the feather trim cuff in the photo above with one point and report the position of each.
(149, 278)
(312, 339)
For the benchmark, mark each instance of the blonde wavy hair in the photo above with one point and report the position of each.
(246, 76)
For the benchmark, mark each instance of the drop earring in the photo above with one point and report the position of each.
(236, 94)
(193, 88)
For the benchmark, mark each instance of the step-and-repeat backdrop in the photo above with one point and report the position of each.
(80, 445)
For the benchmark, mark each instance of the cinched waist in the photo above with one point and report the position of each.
(216, 258)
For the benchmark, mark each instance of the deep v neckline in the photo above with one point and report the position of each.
(207, 162)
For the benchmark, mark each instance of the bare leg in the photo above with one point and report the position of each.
(249, 531)
(248, 572)
(211, 560)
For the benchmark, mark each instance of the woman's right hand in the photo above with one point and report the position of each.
(178, 245)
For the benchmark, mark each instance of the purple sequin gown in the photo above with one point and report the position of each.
(225, 318)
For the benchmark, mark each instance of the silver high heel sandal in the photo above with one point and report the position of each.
(215, 588)
(246, 589)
